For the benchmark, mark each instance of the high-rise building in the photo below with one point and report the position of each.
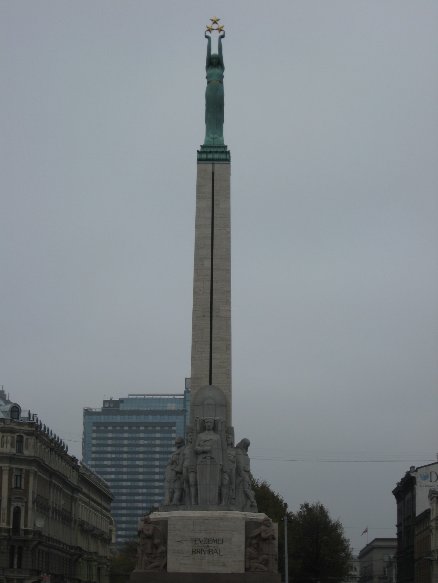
(128, 442)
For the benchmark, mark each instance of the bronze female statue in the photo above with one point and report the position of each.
(214, 94)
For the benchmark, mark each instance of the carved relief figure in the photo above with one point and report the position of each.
(209, 463)
(189, 470)
(151, 554)
(243, 477)
(261, 549)
(229, 470)
(173, 475)
(254, 561)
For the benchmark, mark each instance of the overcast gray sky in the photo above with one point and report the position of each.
(332, 121)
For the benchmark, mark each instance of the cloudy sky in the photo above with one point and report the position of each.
(332, 122)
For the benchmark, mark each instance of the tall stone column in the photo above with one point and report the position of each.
(211, 318)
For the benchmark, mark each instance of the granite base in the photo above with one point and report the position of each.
(163, 577)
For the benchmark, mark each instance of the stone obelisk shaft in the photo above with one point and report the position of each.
(211, 320)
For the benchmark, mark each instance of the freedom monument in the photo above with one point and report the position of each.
(209, 529)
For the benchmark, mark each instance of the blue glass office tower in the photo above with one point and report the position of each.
(128, 442)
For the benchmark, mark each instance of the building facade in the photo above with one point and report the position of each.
(417, 525)
(55, 514)
(128, 442)
(378, 561)
(354, 573)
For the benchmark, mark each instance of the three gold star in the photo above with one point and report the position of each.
(215, 26)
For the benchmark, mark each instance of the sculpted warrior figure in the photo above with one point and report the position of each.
(209, 463)
(243, 477)
(262, 540)
(229, 470)
(173, 475)
(214, 94)
(151, 549)
(189, 469)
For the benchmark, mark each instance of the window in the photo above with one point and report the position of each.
(15, 412)
(16, 520)
(19, 444)
(11, 556)
(19, 557)
(18, 479)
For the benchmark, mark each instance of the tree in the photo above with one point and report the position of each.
(123, 563)
(274, 506)
(268, 501)
(318, 549)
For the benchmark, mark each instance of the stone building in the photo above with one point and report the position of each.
(378, 562)
(417, 525)
(55, 514)
(354, 574)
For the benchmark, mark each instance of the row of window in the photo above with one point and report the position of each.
(155, 429)
(15, 442)
(144, 456)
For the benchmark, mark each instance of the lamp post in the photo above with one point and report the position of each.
(286, 554)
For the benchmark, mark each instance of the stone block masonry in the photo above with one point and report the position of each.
(211, 317)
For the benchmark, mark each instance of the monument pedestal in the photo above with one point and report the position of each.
(207, 546)
(154, 577)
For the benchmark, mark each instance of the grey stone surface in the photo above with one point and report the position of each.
(152, 551)
(210, 543)
(207, 542)
(138, 577)
(173, 486)
(209, 473)
(212, 226)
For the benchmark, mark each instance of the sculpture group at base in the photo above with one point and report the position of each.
(207, 470)
(259, 538)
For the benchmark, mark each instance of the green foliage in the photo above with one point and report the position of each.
(318, 549)
(123, 562)
(274, 506)
(268, 501)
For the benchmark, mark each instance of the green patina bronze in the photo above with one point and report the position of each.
(213, 148)
(214, 95)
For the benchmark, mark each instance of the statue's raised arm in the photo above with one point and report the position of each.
(219, 49)
(207, 62)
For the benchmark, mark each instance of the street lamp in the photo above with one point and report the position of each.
(286, 554)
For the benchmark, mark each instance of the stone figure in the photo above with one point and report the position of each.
(189, 463)
(254, 561)
(151, 553)
(173, 475)
(246, 499)
(228, 492)
(214, 94)
(261, 548)
(209, 464)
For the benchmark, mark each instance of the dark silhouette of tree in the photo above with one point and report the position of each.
(274, 506)
(319, 552)
(123, 562)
